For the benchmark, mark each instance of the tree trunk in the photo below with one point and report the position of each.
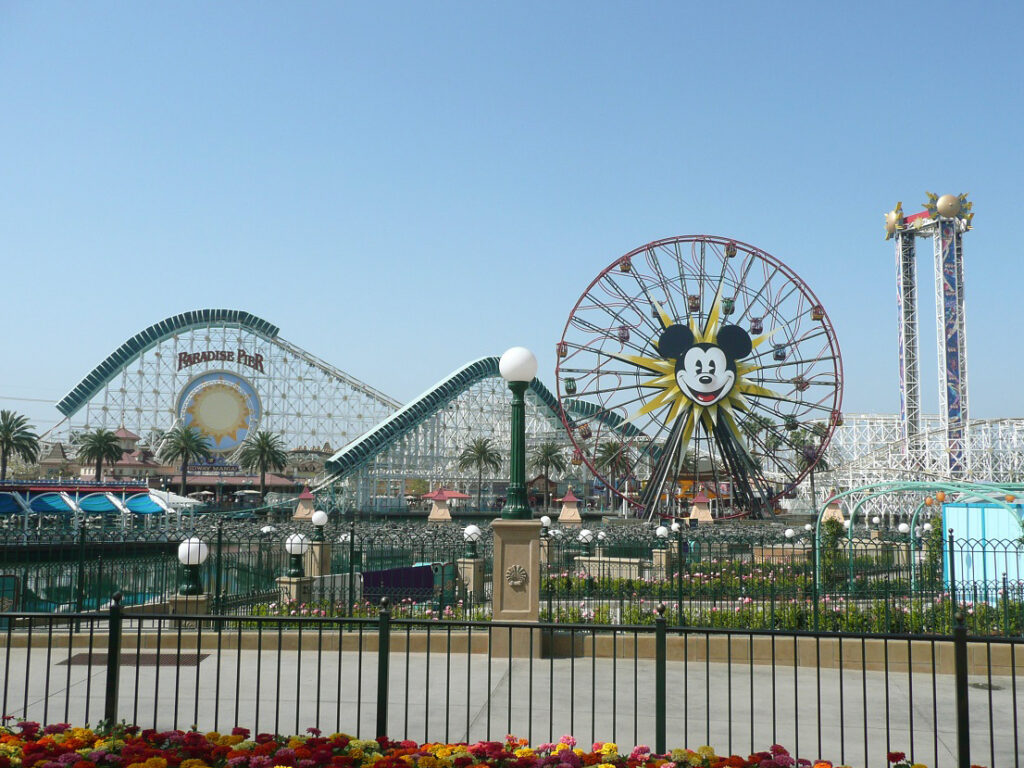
(99, 469)
(479, 487)
(3, 466)
(184, 477)
(547, 490)
(263, 482)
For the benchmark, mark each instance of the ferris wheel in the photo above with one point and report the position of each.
(699, 365)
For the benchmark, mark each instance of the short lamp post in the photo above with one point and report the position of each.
(192, 553)
(319, 521)
(545, 526)
(518, 366)
(471, 534)
(586, 538)
(661, 532)
(296, 546)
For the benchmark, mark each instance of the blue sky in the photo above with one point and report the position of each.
(403, 187)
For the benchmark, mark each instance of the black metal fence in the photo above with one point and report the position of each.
(716, 578)
(764, 580)
(848, 697)
(76, 570)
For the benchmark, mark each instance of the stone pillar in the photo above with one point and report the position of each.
(833, 512)
(570, 514)
(471, 578)
(304, 509)
(189, 605)
(701, 509)
(317, 560)
(296, 588)
(665, 561)
(193, 605)
(439, 512)
(516, 582)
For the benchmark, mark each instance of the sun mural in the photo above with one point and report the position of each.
(700, 373)
(222, 406)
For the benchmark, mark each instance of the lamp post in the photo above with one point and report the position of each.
(319, 520)
(192, 553)
(545, 526)
(586, 538)
(471, 534)
(296, 546)
(518, 366)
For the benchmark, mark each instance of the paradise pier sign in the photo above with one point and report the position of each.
(188, 359)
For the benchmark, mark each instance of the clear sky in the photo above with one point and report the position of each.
(404, 187)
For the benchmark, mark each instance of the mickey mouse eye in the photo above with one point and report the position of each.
(711, 366)
(700, 367)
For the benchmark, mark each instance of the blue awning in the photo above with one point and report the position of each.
(143, 505)
(8, 504)
(97, 502)
(50, 502)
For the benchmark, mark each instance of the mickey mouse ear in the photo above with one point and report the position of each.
(675, 340)
(734, 341)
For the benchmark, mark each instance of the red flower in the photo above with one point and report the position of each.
(895, 757)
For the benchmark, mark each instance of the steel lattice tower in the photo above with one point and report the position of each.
(945, 219)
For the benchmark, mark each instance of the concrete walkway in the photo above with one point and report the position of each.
(842, 715)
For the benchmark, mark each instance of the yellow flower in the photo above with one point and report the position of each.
(579, 752)
(605, 765)
(707, 752)
(212, 736)
(155, 762)
(524, 752)
(295, 741)
(608, 748)
(560, 748)
(428, 762)
(193, 762)
(694, 759)
(919, 765)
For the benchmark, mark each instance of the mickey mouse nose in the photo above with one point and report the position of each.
(705, 379)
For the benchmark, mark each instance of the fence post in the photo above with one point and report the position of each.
(218, 573)
(80, 586)
(1006, 606)
(963, 725)
(814, 581)
(113, 661)
(952, 570)
(351, 567)
(383, 657)
(659, 681)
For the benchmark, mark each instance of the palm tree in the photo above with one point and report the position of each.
(263, 450)
(548, 455)
(17, 438)
(807, 446)
(96, 447)
(480, 453)
(186, 444)
(613, 457)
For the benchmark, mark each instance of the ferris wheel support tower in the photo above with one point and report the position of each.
(945, 220)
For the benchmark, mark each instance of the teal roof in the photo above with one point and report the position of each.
(407, 418)
(140, 342)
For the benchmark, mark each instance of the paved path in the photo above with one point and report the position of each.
(735, 708)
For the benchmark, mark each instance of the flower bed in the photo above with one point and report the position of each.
(27, 745)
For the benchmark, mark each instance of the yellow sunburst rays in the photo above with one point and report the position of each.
(220, 411)
(682, 406)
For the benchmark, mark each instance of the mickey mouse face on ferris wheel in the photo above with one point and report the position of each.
(705, 371)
